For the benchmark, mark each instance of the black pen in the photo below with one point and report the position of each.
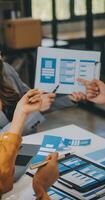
(55, 89)
(97, 62)
(29, 174)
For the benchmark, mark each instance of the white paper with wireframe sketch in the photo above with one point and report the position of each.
(62, 67)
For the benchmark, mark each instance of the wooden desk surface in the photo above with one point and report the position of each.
(75, 115)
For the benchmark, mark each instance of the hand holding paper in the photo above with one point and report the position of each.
(95, 92)
(47, 100)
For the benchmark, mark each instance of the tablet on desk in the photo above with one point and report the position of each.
(25, 154)
(81, 174)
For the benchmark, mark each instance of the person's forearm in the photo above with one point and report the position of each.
(17, 123)
(44, 197)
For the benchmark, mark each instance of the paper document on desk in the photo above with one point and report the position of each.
(55, 194)
(63, 67)
(52, 143)
(98, 156)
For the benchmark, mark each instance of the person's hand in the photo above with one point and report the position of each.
(96, 92)
(92, 90)
(1, 105)
(47, 100)
(30, 102)
(77, 96)
(46, 175)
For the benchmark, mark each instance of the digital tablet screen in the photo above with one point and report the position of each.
(81, 173)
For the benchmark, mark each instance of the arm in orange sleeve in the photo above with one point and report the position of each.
(9, 145)
(10, 141)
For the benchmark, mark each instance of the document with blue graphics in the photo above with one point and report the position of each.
(98, 156)
(53, 143)
(55, 194)
(62, 67)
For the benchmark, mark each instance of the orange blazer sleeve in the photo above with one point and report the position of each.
(9, 145)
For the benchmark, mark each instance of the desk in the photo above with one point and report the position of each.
(23, 187)
(75, 115)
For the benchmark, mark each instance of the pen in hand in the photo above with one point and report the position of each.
(55, 89)
(40, 164)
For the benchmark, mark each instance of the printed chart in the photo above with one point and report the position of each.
(98, 156)
(67, 71)
(52, 143)
(48, 68)
(63, 67)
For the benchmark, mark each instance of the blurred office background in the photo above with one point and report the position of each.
(71, 24)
